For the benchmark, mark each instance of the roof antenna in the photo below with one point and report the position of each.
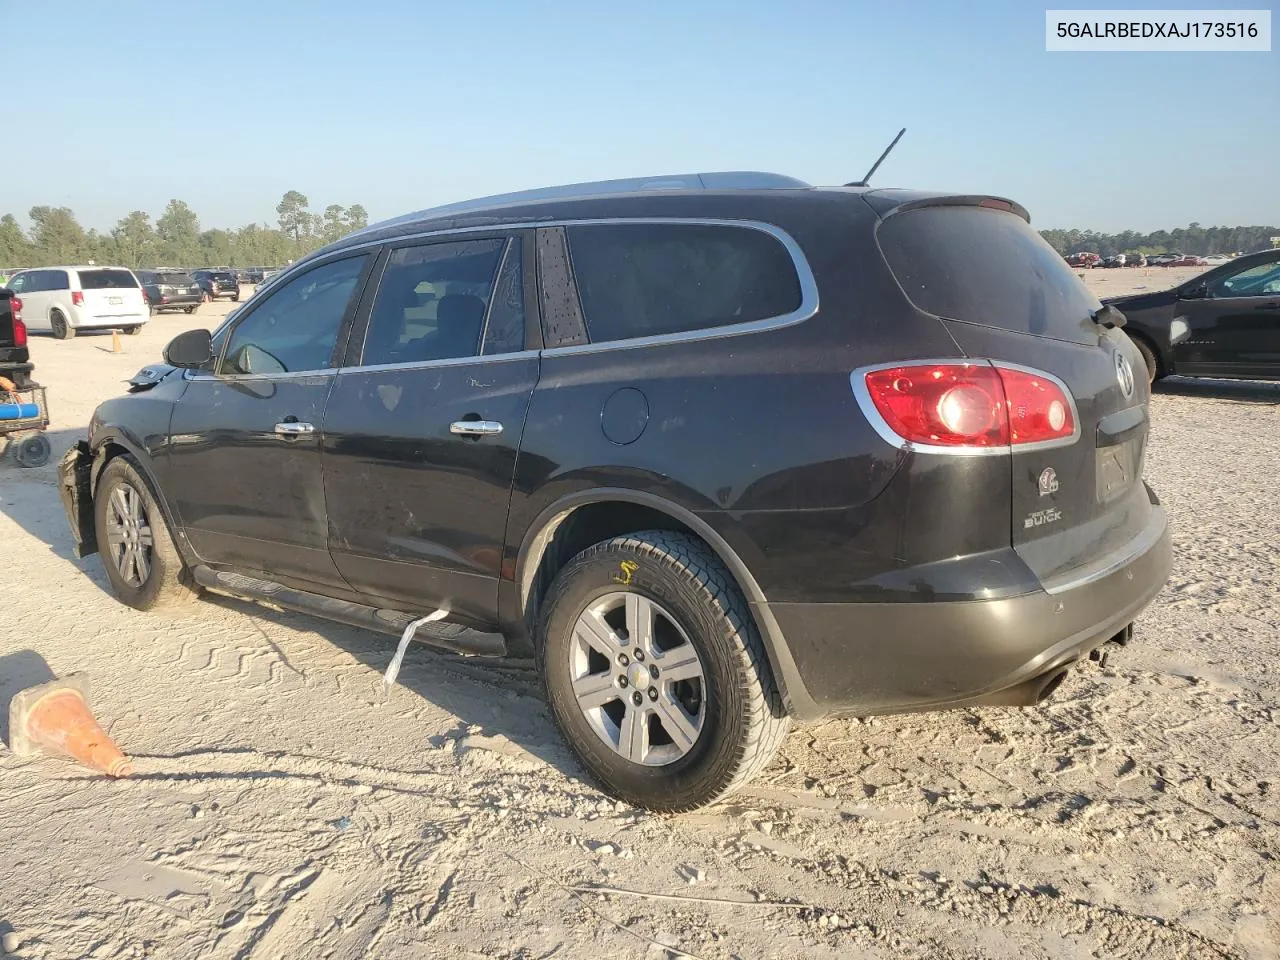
(876, 166)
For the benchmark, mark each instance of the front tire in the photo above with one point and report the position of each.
(61, 329)
(656, 674)
(137, 550)
(1154, 372)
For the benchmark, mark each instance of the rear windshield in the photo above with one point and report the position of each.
(222, 275)
(106, 280)
(174, 278)
(985, 266)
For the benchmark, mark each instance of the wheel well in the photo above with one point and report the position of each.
(1162, 368)
(581, 527)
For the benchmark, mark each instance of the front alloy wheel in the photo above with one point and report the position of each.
(637, 679)
(142, 563)
(129, 537)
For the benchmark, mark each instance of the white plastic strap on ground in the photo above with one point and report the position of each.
(393, 670)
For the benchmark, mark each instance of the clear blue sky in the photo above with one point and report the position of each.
(397, 104)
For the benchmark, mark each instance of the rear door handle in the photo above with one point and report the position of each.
(294, 429)
(475, 428)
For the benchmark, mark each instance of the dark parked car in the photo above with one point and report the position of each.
(251, 275)
(1221, 323)
(218, 283)
(724, 455)
(170, 291)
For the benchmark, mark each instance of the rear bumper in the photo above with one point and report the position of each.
(86, 322)
(176, 301)
(868, 658)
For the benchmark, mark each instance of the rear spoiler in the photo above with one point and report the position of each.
(886, 203)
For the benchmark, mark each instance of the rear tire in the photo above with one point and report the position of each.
(132, 330)
(61, 329)
(1154, 372)
(707, 715)
(142, 563)
(190, 309)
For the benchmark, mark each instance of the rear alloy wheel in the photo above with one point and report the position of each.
(61, 329)
(141, 561)
(656, 674)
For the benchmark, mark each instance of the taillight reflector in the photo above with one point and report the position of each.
(970, 406)
(77, 298)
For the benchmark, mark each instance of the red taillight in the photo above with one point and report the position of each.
(1039, 409)
(77, 298)
(19, 328)
(146, 299)
(970, 405)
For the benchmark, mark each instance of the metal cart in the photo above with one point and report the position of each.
(24, 415)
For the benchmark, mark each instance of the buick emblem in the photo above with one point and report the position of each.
(1048, 482)
(1124, 374)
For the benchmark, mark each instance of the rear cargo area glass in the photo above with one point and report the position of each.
(985, 266)
(107, 280)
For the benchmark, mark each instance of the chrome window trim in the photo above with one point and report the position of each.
(429, 364)
(287, 375)
(858, 381)
(809, 299)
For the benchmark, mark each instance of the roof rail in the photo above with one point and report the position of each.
(722, 180)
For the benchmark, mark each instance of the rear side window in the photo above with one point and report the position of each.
(107, 280)
(54, 280)
(989, 267)
(644, 280)
(432, 302)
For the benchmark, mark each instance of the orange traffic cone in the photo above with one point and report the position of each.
(56, 717)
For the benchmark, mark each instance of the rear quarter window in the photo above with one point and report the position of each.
(643, 280)
(985, 266)
(107, 280)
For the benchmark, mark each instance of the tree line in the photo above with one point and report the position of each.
(1193, 239)
(175, 238)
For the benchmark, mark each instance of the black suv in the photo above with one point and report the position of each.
(721, 454)
(170, 290)
(1222, 323)
(218, 283)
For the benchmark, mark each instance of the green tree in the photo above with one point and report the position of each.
(178, 230)
(56, 236)
(357, 218)
(135, 240)
(333, 223)
(217, 249)
(295, 219)
(15, 249)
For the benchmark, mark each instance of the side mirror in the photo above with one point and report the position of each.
(191, 350)
(1197, 292)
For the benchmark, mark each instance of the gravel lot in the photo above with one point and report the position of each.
(283, 807)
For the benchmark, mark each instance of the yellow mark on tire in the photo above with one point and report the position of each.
(628, 568)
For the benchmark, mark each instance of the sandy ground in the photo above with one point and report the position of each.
(282, 807)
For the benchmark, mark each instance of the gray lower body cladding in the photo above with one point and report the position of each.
(870, 658)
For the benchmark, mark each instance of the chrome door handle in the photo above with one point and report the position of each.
(293, 429)
(475, 428)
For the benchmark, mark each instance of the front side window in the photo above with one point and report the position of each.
(1262, 280)
(432, 302)
(644, 280)
(21, 283)
(296, 327)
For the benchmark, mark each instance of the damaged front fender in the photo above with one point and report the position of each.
(75, 488)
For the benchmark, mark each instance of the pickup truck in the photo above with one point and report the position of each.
(15, 361)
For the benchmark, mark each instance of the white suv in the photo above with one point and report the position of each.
(62, 300)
